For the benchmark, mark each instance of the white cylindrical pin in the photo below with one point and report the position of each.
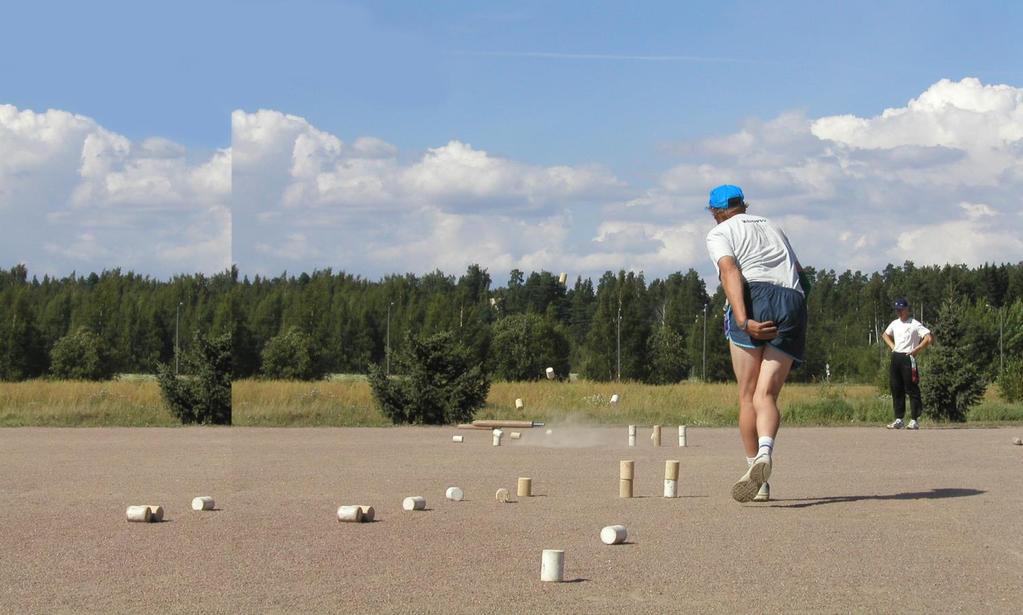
(415, 502)
(519, 404)
(368, 513)
(203, 502)
(632, 435)
(349, 514)
(681, 435)
(515, 435)
(656, 435)
(670, 488)
(563, 278)
(139, 514)
(550, 373)
(613, 535)
(497, 437)
(455, 494)
(552, 566)
(614, 399)
(525, 487)
(155, 512)
(458, 439)
(502, 496)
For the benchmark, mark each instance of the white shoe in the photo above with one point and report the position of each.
(748, 486)
(896, 424)
(764, 495)
(913, 424)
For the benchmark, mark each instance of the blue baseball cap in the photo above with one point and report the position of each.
(726, 196)
(900, 304)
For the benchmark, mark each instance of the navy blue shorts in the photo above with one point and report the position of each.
(784, 306)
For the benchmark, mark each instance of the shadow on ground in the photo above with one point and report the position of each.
(933, 494)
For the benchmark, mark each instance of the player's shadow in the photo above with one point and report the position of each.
(933, 494)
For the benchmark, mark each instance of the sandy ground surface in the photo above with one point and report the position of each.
(864, 520)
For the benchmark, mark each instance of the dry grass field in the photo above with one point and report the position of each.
(348, 402)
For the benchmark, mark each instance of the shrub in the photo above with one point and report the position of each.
(953, 383)
(291, 356)
(439, 383)
(1010, 381)
(80, 356)
(204, 394)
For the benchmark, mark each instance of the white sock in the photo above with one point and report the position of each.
(749, 462)
(766, 445)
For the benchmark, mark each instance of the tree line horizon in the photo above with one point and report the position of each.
(309, 325)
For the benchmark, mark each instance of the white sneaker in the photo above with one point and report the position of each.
(748, 486)
(896, 424)
(913, 424)
(764, 495)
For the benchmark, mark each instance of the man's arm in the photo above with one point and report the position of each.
(924, 343)
(888, 340)
(731, 280)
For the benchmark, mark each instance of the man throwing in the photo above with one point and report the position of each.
(765, 324)
(907, 337)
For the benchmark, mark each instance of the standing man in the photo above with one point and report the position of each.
(907, 337)
(765, 324)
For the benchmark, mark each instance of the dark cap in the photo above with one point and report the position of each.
(900, 304)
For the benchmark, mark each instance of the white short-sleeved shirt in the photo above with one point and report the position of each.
(759, 247)
(906, 334)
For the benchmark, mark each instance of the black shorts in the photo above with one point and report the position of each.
(784, 306)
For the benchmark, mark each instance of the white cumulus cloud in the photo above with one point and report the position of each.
(75, 195)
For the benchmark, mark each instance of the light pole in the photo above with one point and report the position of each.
(177, 328)
(704, 342)
(387, 352)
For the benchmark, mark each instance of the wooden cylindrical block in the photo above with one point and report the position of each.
(613, 535)
(349, 514)
(515, 435)
(203, 502)
(519, 404)
(632, 435)
(455, 494)
(458, 439)
(671, 469)
(682, 435)
(614, 399)
(525, 488)
(139, 514)
(656, 435)
(626, 469)
(624, 488)
(415, 502)
(670, 488)
(502, 496)
(368, 513)
(497, 437)
(550, 373)
(155, 512)
(552, 566)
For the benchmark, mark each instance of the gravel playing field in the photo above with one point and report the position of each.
(864, 520)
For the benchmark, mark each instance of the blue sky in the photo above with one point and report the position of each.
(619, 85)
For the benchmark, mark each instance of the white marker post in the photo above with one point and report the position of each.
(632, 435)
(552, 566)
(671, 479)
(682, 436)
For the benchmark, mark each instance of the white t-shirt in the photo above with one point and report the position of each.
(907, 335)
(759, 247)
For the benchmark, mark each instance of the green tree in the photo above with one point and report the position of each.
(669, 361)
(291, 356)
(953, 383)
(525, 345)
(439, 383)
(80, 356)
(203, 395)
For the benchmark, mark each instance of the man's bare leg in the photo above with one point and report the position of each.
(746, 364)
(774, 369)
